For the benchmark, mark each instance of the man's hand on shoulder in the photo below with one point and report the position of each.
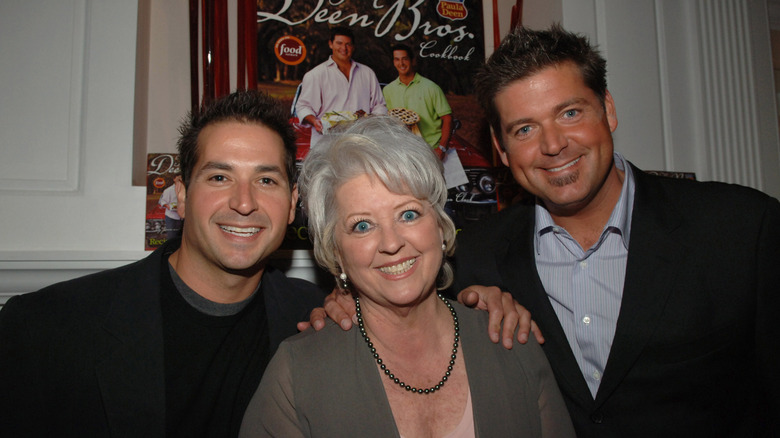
(338, 306)
(501, 307)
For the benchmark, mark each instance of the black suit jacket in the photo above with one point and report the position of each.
(84, 358)
(696, 350)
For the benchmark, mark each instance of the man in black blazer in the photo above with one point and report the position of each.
(175, 344)
(655, 295)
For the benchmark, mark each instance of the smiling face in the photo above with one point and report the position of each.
(238, 203)
(403, 63)
(342, 48)
(388, 244)
(557, 139)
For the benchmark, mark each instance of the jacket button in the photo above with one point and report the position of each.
(596, 418)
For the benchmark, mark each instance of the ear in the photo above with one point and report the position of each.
(293, 204)
(609, 106)
(500, 150)
(181, 196)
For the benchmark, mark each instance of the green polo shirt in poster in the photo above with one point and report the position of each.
(424, 97)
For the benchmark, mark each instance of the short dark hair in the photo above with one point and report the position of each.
(403, 47)
(525, 52)
(343, 31)
(252, 107)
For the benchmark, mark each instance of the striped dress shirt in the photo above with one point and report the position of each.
(585, 287)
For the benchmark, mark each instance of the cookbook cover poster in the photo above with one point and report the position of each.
(446, 36)
(161, 169)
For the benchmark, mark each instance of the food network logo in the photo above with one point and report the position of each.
(290, 50)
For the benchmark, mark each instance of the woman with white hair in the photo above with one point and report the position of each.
(417, 364)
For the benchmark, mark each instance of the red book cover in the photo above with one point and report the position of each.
(162, 219)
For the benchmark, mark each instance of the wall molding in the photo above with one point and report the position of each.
(39, 86)
(27, 271)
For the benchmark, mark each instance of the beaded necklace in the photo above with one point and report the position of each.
(389, 374)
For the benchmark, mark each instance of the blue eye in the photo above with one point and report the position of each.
(523, 131)
(409, 215)
(361, 227)
(571, 113)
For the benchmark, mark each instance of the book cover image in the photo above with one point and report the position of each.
(446, 38)
(162, 219)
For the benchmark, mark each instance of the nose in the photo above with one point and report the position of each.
(391, 241)
(553, 140)
(242, 199)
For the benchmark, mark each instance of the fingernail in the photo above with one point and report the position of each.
(494, 337)
(345, 324)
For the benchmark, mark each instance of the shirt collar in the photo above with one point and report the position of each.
(620, 219)
(331, 63)
(416, 78)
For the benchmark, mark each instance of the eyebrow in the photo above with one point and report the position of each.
(401, 205)
(558, 108)
(575, 100)
(261, 168)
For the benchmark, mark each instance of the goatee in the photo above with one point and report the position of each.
(560, 181)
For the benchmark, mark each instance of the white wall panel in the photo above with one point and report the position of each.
(67, 75)
(720, 115)
(42, 85)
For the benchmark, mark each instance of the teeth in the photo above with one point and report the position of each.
(243, 232)
(556, 169)
(399, 268)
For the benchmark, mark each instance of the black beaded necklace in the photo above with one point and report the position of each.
(389, 374)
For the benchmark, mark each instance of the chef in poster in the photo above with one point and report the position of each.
(339, 89)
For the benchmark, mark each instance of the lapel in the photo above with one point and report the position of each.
(653, 257)
(131, 372)
(286, 304)
(275, 288)
(517, 267)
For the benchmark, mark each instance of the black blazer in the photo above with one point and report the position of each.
(84, 358)
(696, 351)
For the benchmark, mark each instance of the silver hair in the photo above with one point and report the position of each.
(382, 147)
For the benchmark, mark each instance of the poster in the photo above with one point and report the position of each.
(447, 39)
(162, 220)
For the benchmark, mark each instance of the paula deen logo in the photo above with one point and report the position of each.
(452, 9)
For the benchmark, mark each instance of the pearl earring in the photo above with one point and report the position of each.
(342, 280)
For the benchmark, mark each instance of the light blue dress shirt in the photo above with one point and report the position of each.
(585, 286)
